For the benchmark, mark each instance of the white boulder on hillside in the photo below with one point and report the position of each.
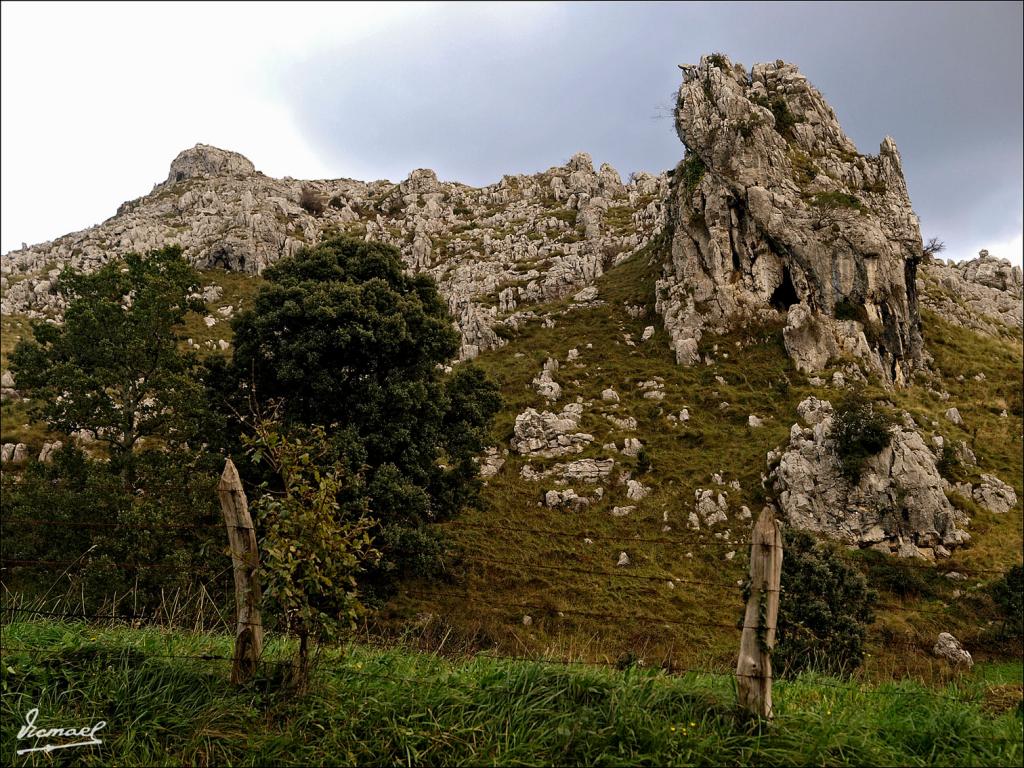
(546, 434)
(899, 499)
(995, 495)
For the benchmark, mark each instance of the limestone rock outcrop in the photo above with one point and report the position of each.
(203, 160)
(773, 207)
(985, 294)
(492, 250)
(898, 504)
(546, 434)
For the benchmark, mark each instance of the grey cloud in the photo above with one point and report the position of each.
(473, 99)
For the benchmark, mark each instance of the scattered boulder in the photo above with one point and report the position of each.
(626, 424)
(7, 390)
(549, 434)
(813, 411)
(610, 396)
(710, 507)
(589, 471)
(623, 559)
(545, 385)
(953, 415)
(587, 294)
(653, 390)
(636, 490)
(567, 499)
(995, 495)
(46, 454)
(491, 462)
(949, 648)
(632, 447)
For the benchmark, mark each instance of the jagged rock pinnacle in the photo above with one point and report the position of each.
(775, 209)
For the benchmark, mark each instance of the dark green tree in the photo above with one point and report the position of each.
(825, 607)
(115, 366)
(340, 336)
(139, 540)
(1008, 594)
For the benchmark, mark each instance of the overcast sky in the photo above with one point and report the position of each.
(97, 99)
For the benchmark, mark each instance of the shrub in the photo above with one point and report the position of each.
(950, 466)
(691, 171)
(803, 166)
(1008, 594)
(858, 433)
(643, 462)
(313, 546)
(886, 573)
(312, 201)
(833, 200)
(719, 60)
(139, 538)
(825, 607)
(784, 118)
(746, 127)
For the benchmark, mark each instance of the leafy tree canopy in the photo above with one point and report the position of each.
(342, 337)
(114, 367)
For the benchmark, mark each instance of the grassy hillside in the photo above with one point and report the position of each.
(167, 701)
(526, 578)
(520, 559)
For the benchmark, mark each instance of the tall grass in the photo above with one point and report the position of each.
(392, 706)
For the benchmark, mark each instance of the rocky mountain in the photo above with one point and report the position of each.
(773, 220)
(493, 251)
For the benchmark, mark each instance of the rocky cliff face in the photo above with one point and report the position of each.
(899, 504)
(773, 210)
(492, 250)
(773, 213)
(985, 294)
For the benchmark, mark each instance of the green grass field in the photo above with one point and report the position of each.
(167, 702)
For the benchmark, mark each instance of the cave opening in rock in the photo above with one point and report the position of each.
(784, 296)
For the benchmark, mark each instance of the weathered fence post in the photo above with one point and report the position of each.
(245, 557)
(754, 667)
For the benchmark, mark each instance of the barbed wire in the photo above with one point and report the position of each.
(139, 526)
(691, 542)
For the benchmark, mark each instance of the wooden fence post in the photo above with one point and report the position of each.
(754, 667)
(245, 558)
